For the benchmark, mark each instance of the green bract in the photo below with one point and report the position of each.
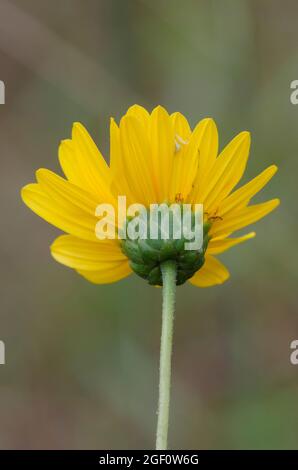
(146, 255)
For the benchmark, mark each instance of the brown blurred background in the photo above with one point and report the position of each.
(82, 360)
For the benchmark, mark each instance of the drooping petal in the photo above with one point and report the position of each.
(242, 196)
(137, 160)
(86, 255)
(213, 272)
(220, 244)
(237, 220)
(225, 173)
(162, 151)
(108, 274)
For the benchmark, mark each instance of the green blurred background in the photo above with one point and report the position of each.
(82, 360)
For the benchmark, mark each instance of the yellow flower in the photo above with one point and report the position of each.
(154, 158)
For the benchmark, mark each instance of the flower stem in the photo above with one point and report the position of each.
(168, 269)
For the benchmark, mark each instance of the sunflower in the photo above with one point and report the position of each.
(154, 158)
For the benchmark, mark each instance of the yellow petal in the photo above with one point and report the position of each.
(242, 196)
(246, 216)
(177, 186)
(140, 113)
(86, 255)
(225, 173)
(84, 165)
(213, 272)
(115, 149)
(69, 164)
(180, 126)
(162, 151)
(108, 274)
(66, 216)
(65, 194)
(208, 148)
(186, 159)
(119, 184)
(182, 134)
(219, 244)
(137, 160)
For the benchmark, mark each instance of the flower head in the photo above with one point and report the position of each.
(154, 158)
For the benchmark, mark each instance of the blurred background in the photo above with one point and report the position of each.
(82, 360)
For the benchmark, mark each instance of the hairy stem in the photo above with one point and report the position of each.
(168, 269)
